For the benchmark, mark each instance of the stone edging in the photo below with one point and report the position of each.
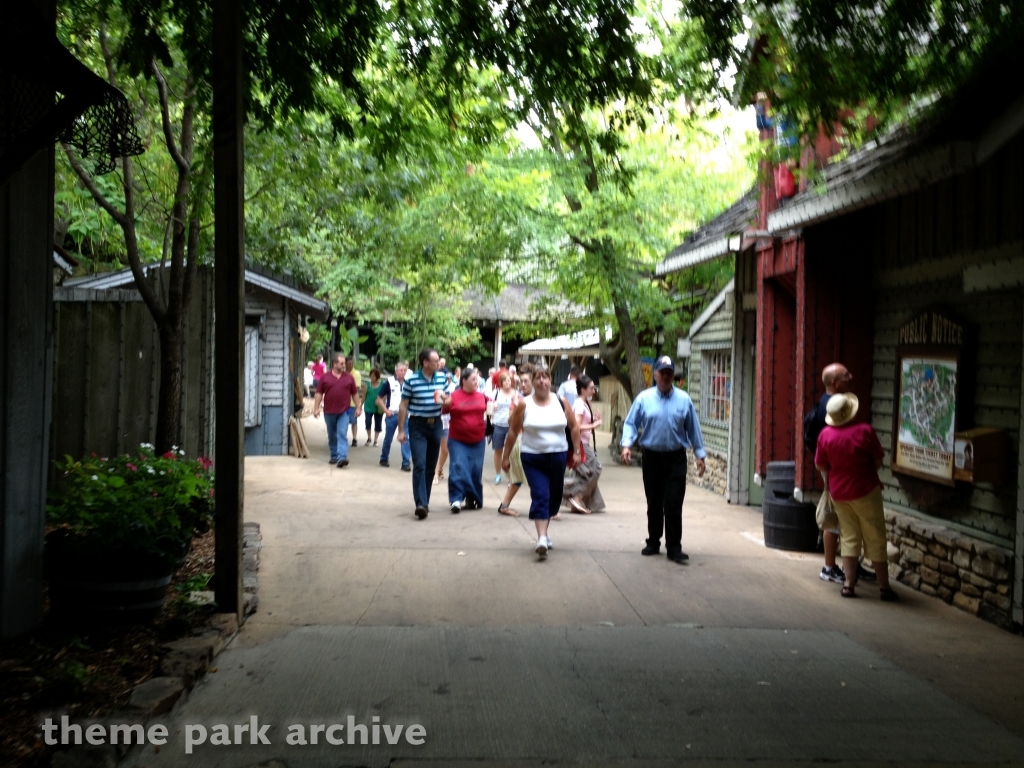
(184, 663)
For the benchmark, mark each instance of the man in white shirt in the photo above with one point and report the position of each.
(389, 399)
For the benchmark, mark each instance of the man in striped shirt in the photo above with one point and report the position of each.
(421, 402)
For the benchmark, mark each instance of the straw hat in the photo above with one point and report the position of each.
(841, 409)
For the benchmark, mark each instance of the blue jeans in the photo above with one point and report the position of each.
(465, 469)
(545, 474)
(425, 441)
(390, 425)
(337, 435)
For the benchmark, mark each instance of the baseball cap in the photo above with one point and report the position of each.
(663, 363)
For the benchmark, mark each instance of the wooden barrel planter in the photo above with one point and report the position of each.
(109, 603)
(104, 588)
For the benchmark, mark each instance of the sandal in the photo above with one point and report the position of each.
(505, 509)
(888, 594)
(848, 592)
(577, 506)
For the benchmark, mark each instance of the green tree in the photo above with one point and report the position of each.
(829, 62)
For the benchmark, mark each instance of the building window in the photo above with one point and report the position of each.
(715, 385)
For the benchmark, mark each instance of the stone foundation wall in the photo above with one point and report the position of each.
(973, 575)
(716, 473)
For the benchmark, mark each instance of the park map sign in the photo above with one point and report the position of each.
(927, 388)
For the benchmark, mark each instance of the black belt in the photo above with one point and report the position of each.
(428, 419)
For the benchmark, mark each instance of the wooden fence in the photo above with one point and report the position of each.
(107, 372)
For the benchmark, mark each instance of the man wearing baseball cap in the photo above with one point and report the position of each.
(664, 418)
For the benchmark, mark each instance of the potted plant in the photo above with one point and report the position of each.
(119, 528)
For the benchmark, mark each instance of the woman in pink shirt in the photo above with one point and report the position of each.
(466, 443)
(849, 457)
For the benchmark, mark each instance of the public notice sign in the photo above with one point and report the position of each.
(926, 416)
(928, 377)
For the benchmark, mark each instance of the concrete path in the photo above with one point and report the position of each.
(596, 656)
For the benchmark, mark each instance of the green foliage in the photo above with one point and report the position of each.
(197, 583)
(825, 62)
(140, 501)
(319, 340)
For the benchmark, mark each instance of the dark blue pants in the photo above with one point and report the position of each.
(424, 436)
(390, 425)
(545, 474)
(465, 470)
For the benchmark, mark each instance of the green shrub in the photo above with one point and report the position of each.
(138, 502)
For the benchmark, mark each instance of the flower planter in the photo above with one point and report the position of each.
(103, 587)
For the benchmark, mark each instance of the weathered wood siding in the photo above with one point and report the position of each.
(919, 245)
(741, 424)
(107, 372)
(270, 437)
(715, 334)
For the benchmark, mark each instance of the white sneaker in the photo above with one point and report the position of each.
(542, 546)
(456, 507)
(547, 540)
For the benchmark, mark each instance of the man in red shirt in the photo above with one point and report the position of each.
(849, 457)
(334, 393)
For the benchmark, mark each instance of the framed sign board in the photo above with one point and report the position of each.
(928, 377)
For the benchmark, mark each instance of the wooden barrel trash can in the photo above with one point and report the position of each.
(789, 524)
(780, 480)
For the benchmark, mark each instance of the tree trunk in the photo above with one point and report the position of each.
(631, 346)
(168, 416)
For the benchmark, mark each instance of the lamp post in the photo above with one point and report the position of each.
(659, 340)
(334, 331)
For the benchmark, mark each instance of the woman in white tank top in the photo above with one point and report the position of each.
(542, 419)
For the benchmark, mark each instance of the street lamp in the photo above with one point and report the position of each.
(659, 340)
(334, 331)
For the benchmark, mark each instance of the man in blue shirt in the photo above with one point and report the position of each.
(665, 420)
(421, 402)
(567, 391)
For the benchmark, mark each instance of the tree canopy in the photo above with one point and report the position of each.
(829, 62)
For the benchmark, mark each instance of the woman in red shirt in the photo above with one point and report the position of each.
(849, 457)
(466, 443)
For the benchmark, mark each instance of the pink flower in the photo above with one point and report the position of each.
(169, 455)
(132, 467)
(205, 462)
(155, 493)
(211, 493)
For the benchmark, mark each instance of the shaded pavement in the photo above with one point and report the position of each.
(596, 654)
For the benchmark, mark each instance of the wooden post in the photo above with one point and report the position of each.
(26, 375)
(229, 275)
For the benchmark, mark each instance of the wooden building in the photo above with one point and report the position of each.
(107, 371)
(720, 368)
(709, 383)
(910, 255)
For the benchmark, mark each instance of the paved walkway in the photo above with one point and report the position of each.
(597, 654)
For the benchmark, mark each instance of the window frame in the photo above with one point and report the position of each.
(715, 386)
